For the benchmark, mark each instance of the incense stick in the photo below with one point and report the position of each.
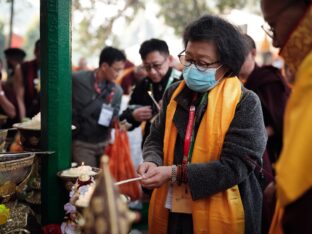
(152, 97)
(9, 129)
(128, 181)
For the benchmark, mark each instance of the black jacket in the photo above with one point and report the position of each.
(140, 97)
(87, 105)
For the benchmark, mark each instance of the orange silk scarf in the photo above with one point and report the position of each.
(222, 212)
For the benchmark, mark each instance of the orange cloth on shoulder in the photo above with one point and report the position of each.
(222, 212)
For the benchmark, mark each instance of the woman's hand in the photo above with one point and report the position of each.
(145, 167)
(156, 177)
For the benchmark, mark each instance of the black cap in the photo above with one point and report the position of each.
(15, 53)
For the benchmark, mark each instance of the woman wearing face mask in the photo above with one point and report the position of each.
(201, 153)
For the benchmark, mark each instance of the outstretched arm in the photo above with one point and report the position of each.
(19, 91)
(6, 105)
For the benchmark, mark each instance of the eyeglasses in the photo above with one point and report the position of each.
(149, 67)
(201, 66)
(116, 70)
(270, 30)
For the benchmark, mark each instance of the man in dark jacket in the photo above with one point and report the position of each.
(146, 97)
(96, 102)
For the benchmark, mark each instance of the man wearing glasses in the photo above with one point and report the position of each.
(290, 26)
(96, 102)
(146, 98)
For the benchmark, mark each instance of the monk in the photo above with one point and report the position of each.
(290, 26)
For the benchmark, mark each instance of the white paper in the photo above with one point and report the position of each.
(168, 203)
(106, 116)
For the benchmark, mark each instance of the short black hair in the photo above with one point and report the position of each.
(227, 38)
(110, 55)
(15, 53)
(152, 45)
(37, 45)
(249, 42)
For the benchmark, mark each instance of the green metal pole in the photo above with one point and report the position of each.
(55, 33)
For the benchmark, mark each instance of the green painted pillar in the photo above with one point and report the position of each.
(55, 33)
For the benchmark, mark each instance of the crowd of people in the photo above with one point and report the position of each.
(225, 141)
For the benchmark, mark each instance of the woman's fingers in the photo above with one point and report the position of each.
(145, 167)
(156, 177)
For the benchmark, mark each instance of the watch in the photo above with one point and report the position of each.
(173, 174)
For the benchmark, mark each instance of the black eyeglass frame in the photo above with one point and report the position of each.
(157, 67)
(270, 30)
(189, 63)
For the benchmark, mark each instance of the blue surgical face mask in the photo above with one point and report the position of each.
(200, 81)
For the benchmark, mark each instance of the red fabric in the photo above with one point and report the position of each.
(30, 79)
(121, 166)
(52, 229)
(32, 96)
(270, 86)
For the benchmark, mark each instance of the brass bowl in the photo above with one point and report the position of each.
(15, 166)
(69, 181)
(15, 169)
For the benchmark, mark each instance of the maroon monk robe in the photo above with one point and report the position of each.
(269, 84)
(31, 96)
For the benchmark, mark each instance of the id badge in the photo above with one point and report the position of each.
(106, 115)
(181, 199)
(168, 203)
